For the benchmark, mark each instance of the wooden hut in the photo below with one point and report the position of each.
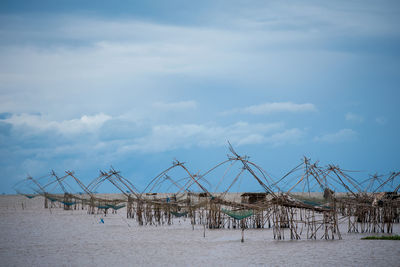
(251, 198)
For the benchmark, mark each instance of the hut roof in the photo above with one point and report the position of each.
(250, 194)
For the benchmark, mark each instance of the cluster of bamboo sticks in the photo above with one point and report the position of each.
(278, 206)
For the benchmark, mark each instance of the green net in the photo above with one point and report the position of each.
(68, 203)
(115, 207)
(312, 203)
(52, 199)
(238, 214)
(315, 204)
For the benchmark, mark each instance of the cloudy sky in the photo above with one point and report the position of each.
(136, 84)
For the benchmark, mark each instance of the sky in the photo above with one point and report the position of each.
(137, 84)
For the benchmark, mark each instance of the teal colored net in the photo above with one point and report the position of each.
(238, 214)
(52, 199)
(68, 203)
(315, 204)
(115, 207)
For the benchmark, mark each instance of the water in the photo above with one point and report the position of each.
(34, 236)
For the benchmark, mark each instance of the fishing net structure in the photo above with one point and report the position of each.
(308, 202)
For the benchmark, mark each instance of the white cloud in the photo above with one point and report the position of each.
(169, 137)
(39, 123)
(290, 136)
(274, 107)
(137, 59)
(176, 106)
(251, 139)
(343, 135)
(267, 108)
(151, 137)
(354, 117)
